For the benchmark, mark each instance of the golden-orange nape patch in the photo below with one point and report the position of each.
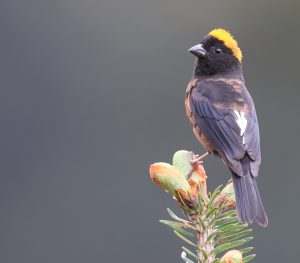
(228, 41)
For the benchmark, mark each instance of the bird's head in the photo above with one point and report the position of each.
(217, 53)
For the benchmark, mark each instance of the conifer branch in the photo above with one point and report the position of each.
(211, 226)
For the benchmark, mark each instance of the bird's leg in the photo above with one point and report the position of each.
(195, 161)
(197, 158)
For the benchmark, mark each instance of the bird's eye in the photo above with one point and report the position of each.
(218, 51)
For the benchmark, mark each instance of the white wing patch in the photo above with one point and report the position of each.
(242, 122)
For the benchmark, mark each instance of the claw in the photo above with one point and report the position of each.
(198, 159)
(195, 161)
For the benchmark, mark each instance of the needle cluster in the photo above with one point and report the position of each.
(210, 227)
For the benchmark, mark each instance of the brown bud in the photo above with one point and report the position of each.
(227, 196)
(169, 178)
(232, 256)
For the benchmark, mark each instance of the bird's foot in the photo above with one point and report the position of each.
(195, 159)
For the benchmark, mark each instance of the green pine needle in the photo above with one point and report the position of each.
(190, 253)
(248, 258)
(184, 239)
(177, 226)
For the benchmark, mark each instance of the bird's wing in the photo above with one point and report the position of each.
(230, 135)
(252, 142)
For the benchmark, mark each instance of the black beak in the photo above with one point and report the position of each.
(198, 50)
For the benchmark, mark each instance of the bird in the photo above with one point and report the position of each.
(223, 118)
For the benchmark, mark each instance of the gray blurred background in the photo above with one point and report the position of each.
(92, 92)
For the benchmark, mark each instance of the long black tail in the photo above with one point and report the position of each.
(248, 202)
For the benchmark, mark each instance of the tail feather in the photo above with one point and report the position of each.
(261, 218)
(249, 205)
